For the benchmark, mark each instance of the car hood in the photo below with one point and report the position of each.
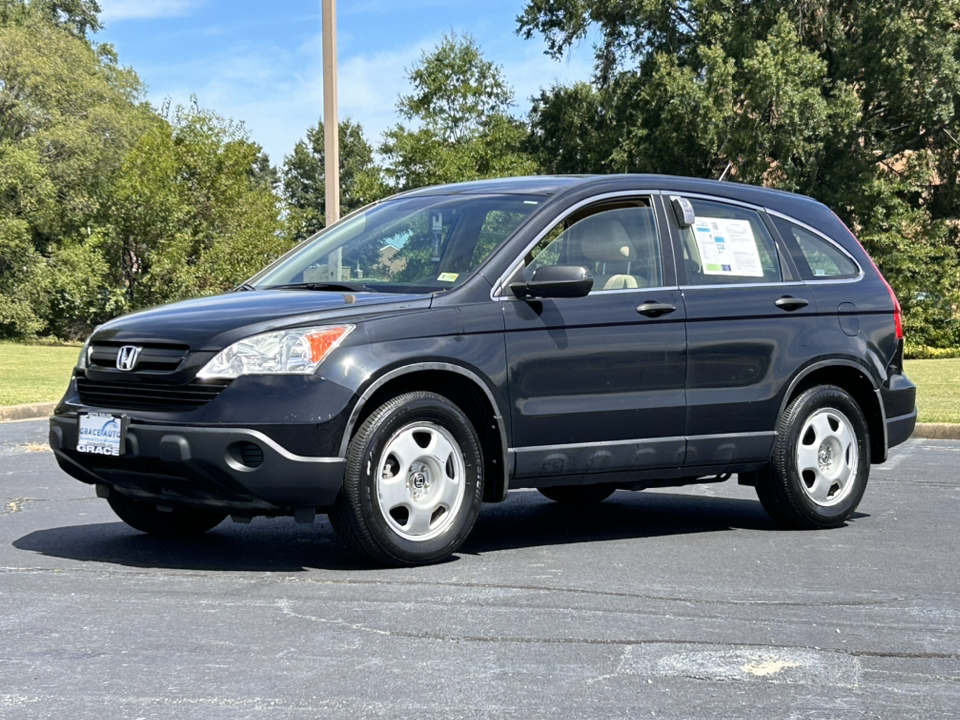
(212, 323)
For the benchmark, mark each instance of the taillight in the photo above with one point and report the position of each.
(897, 313)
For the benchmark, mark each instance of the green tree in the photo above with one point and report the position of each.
(68, 113)
(107, 205)
(188, 217)
(77, 16)
(461, 126)
(570, 130)
(854, 102)
(304, 187)
(265, 174)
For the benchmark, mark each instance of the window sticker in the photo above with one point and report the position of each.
(448, 277)
(727, 247)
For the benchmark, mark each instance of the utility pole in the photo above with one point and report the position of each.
(331, 128)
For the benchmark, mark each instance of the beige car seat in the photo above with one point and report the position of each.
(605, 244)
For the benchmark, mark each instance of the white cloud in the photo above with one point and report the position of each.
(370, 84)
(373, 7)
(277, 91)
(533, 71)
(117, 10)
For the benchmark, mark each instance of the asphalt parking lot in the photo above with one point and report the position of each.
(670, 604)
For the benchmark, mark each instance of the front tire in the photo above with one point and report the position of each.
(820, 464)
(413, 483)
(181, 521)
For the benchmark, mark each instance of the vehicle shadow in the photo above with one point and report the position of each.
(262, 546)
(524, 520)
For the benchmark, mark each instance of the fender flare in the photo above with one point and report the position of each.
(438, 366)
(820, 365)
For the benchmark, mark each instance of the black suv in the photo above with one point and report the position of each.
(577, 335)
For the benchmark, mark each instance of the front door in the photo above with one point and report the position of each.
(597, 382)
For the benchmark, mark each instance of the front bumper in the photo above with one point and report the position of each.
(230, 468)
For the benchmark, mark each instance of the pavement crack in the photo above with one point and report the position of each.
(284, 606)
(23, 448)
(880, 602)
(592, 592)
(627, 643)
(14, 505)
(902, 655)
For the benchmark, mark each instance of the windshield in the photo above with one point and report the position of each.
(417, 244)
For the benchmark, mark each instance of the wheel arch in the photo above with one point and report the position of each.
(461, 386)
(855, 380)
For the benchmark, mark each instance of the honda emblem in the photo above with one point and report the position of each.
(127, 357)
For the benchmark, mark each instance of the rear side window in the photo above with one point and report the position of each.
(728, 245)
(816, 257)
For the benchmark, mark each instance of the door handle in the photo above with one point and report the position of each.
(791, 303)
(655, 309)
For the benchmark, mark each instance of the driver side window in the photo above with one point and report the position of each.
(618, 244)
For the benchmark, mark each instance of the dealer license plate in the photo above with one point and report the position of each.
(101, 433)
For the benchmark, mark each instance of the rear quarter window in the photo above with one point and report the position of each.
(816, 257)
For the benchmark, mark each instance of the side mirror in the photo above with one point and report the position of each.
(684, 211)
(555, 281)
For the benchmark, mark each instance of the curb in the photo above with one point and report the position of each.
(27, 412)
(927, 431)
(937, 431)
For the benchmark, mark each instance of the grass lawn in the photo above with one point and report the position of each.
(34, 373)
(39, 373)
(938, 388)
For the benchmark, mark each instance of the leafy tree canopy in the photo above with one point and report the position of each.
(188, 216)
(304, 186)
(107, 205)
(854, 102)
(68, 113)
(77, 16)
(461, 129)
(455, 90)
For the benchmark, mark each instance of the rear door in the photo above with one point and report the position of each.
(597, 382)
(751, 322)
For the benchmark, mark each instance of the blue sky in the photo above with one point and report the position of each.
(259, 62)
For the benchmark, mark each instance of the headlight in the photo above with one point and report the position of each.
(286, 352)
(84, 360)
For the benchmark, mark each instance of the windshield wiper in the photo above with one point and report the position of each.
(243, 287)
(336, 287)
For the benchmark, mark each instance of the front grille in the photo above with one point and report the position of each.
(154, 357)
(147, 396)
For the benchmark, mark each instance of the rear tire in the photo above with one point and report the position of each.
(181, 521)
(577, 494)
(820, 464)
